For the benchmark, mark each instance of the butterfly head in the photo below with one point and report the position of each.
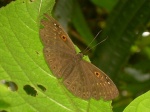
(78, 57)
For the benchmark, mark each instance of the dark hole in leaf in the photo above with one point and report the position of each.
(30, 90)
(4, 3)
(3, 111)
(41, 87)
(10, 84)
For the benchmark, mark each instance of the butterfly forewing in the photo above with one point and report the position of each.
(53, 35)
(103, 86)
(58, 48)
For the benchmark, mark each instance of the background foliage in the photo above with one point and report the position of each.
(124, 56)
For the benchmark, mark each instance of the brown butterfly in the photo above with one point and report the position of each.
(80, 77)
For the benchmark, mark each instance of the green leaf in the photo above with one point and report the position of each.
(22, 63)
(140, 104)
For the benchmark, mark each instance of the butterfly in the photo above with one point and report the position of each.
(81, 78)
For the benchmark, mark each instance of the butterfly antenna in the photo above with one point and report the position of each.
(92, 42)
(97, 44)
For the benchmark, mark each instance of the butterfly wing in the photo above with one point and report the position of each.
(58, 47)
(58, 60)
(102, 86)
(76, 82)
(87, 81)
(53, 35)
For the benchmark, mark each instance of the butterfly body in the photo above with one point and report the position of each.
(80, 77)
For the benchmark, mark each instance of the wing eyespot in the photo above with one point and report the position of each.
(54, 67)
(47, 41)
(108, 82)
(79, 92)
(73, 88)
(47, 54)
(63, 37)
(56, 25)
(50, 61)
(84, 94)
(95, 94)
(107, 79)
(68, 83)
(97, 74)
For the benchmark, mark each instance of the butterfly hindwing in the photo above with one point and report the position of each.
(58, 60)
(76, 82)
